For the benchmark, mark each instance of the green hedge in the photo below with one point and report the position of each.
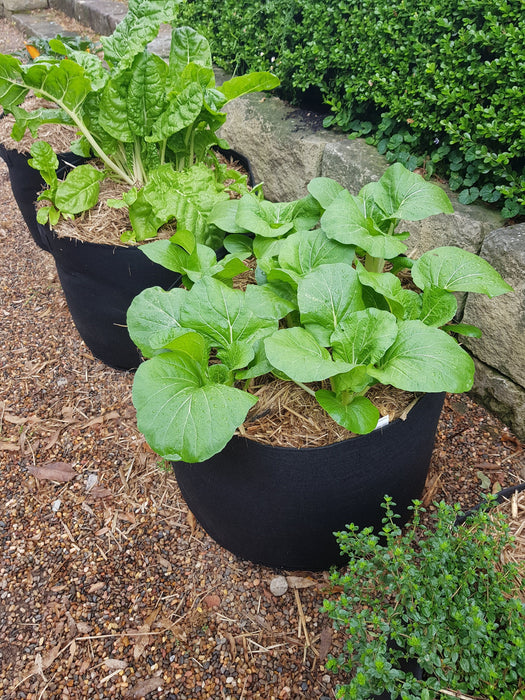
(439, 86)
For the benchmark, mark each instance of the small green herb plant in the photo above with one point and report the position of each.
(430, 594)
(325, 308)
(152, 124)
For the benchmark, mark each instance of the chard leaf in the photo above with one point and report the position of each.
(326, 297)
(13, 90)
(43, 158)
(325, 190)
(296, 353)
(145, 94)
(143, 220)
(222, 315)
(360, 416)
(195, 73)
(423, 358)
(187, 46)
(32, 120)
(364, 337)
(93, 68)
(272, 300)
(253, 82)
(64, 83)
(402, 194)
(152, 312)
(457, 270)
(79, 191)
(303, 251)
(347, 220)
(180, 111)
(182, 411)
(113, 113)
(438, 307)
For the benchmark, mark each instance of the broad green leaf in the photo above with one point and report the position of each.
(171, 256)
(143, 220)
(405, 304)
(64, 83)
(326, 296)
(364, 337)
(145, 101)
(183, 414)
(457, 270)
(304, 251)
(34, 119)
(187, 46)
(426, 359)
(438, 306)
(179, 112)
(360, 416)
(224, 214)
(237, 355)
(93, 68)
(355, 381)
(222, 314)
(13, 90)
(194, 73)
(325, 190)
(296, 353)
(463, 329)
(271, 300)
(253, 82)
(261, 217)
(152, 311)
(43, 158)
(402, 194)
(346, 221)
(113, 114)
(79, 191)
(239, 245)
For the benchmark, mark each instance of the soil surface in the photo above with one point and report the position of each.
(108, 586)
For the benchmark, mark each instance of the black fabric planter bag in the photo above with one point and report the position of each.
(281, 506)
(26, 183)
(99, 283)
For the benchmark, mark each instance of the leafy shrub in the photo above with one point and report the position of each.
(437, 86)
(435, 596)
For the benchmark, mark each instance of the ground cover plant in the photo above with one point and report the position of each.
(438, 86)
(436, 594)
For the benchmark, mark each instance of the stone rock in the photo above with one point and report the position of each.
(23, 5)
(502, 319)
(352, 162)
(278, 585)
(102, 16)
(500, 395)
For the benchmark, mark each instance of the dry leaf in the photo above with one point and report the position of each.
(300, 582)
(9, 447)
(96, 587)
(325, 642)
(115, 664)
(54, 471)
(83, 627)
(144, 687)
(99, 492)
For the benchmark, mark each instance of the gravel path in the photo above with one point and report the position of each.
(108, 587)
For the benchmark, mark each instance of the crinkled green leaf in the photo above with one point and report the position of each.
(79, 191)
(183, 414)
(13, 89)
(458, 270)
(145, 101)
(423, 358)
(187, 46)
(326, 296)
(296, 353)
(179, 112)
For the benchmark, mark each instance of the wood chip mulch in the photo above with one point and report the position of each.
(108, 586)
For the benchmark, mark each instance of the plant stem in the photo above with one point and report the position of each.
(306, 388)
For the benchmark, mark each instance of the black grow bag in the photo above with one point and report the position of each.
(99, 283)
(26, 184)
(280, 506)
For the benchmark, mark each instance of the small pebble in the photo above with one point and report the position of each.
(278, 585)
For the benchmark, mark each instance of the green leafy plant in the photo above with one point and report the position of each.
(151, 124)
(434, 595)
(432, 85)
(325, 308)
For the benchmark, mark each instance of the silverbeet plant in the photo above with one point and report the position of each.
(429, 612)
(151, 123)
(329, 306)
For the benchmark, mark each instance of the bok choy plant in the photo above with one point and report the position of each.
(329, 306)
(151, 124)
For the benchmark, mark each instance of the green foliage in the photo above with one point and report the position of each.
(323, 309)
(430, 594)
(438, 86)
(152, 124)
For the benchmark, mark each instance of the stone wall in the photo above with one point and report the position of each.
(287, 147)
